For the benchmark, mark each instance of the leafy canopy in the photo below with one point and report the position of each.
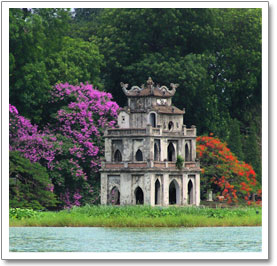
(223, 173)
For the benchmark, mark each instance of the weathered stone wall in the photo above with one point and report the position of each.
(128, 182)
(123, 119)
(177, 120)
(129, 145)
(147, 121)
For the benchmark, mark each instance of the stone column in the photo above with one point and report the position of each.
(163, 149)
(197, 188)
(126, 192)
(165, 189)
(152, 189)
(185, 189)
(104, 184)
(148, 189)
(193, 149)
(108, 149)
(148, 148)
(151, 148)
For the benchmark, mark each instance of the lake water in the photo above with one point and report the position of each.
(100, 239)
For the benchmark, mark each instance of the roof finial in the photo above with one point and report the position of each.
(150, 81)
(150, 84)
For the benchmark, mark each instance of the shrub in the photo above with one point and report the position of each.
(179, 162)
(30, 185)
(18, 213)
(224, 173)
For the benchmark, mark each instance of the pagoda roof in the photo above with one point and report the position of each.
(168, 110)
(149, 90)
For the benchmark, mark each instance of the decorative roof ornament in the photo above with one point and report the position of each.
(149, 89)
(150, 85)
(124, 86)
(174, 85)
(150, 82)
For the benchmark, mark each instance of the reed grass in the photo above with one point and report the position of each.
(144, 216)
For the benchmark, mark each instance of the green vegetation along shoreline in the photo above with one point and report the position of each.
(138, 216)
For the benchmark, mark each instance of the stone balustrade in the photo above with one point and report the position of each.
(148, 164)
(124, 132)
(150, 131)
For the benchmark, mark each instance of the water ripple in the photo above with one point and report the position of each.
(99, 239)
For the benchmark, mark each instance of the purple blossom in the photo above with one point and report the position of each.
(87, 110)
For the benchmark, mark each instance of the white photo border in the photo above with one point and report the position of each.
(6, 255)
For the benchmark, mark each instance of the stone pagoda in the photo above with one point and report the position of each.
(141, 152)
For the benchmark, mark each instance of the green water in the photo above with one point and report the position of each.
(99, 239)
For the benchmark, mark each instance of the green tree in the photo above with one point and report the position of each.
(251, 151)
(240, 50)
(30, 185)
(206, 51)
(26, 40)
(128, 37)
(214, 54)
(234, 140)
(42, 55)
(85, 22)
(77, 61)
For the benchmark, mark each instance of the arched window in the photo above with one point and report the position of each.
(171, 153)
(117, 156)
(139, 156)
(153, 119)
(157, 192)
(170, 125)
(156, 152)
(139, 195)
(187, 153)
(114, 198)
(174, 192)
(190, 192)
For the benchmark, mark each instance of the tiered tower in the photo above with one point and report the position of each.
(141, 153)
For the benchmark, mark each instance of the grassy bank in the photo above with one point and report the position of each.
(142, 216)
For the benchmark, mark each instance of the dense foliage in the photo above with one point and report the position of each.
(70, 147)
(42, 54)
(214, 54)
(224, 174)
(30, 185)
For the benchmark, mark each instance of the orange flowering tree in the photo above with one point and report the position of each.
(224, 174)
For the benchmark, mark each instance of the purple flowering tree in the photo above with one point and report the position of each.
(71, 146)
(35, 145)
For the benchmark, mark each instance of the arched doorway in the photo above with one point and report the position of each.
(171, 152)
(114, 196)
(157, 192)
(187, 153)
(153, 119)
(139, 156)
(117, 156)
(190, 192)
(174, 192)
(139, 196)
